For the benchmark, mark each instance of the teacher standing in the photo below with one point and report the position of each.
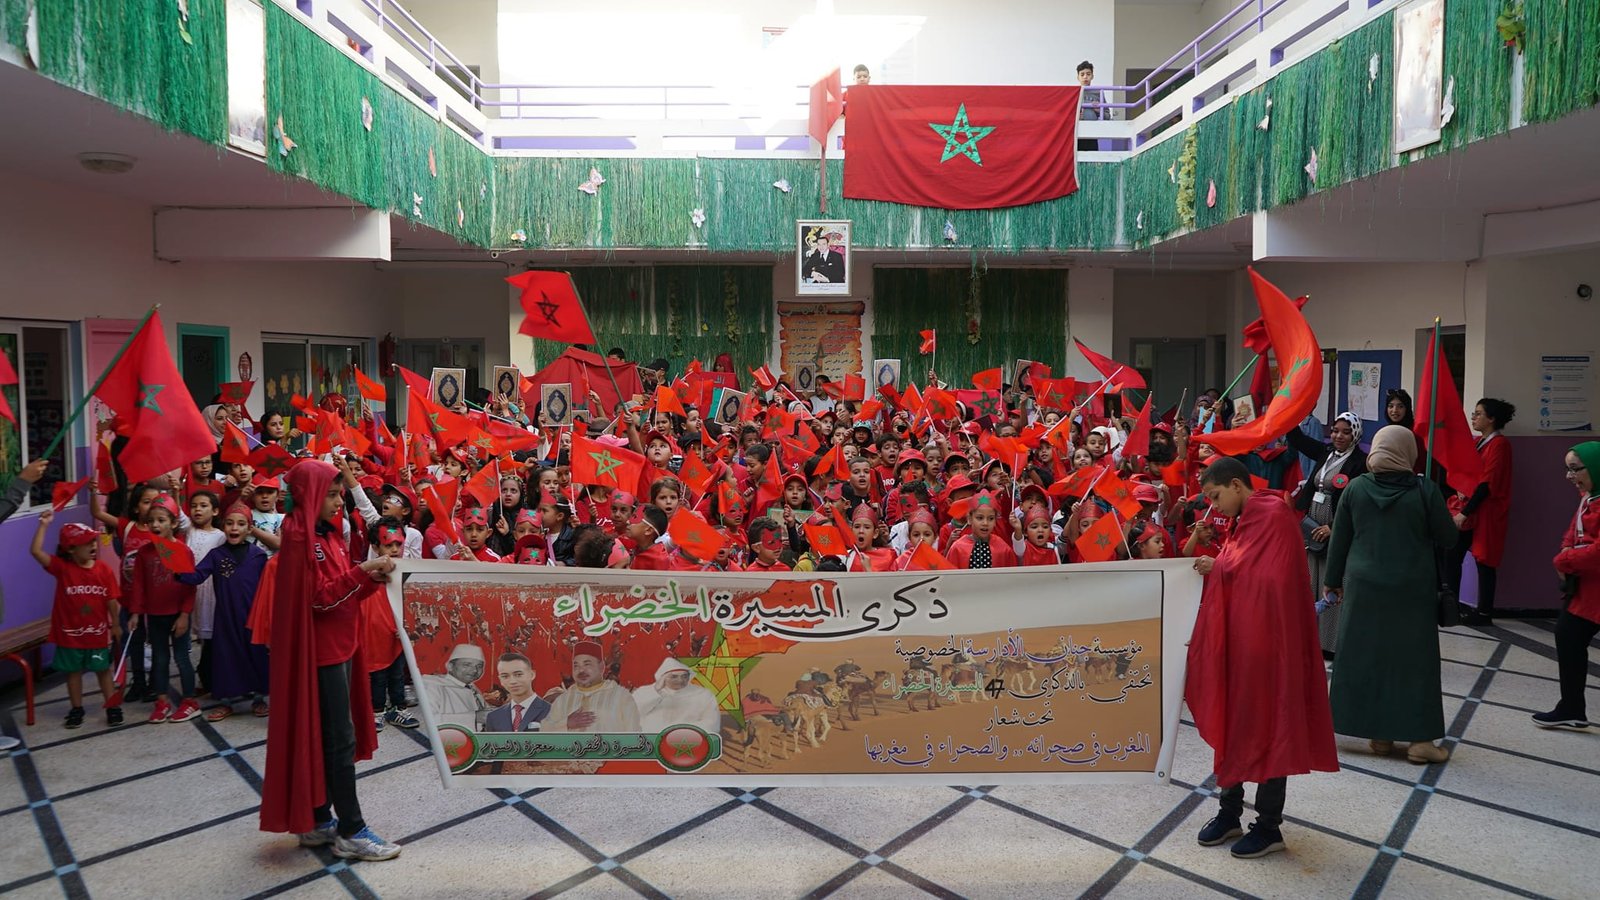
(1381, 559)
(1339, 462)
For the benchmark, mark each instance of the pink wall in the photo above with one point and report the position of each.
(1542, 505)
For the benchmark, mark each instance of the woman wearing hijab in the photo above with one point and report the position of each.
(1381, 562)
(1338, 462)
(1579, 565)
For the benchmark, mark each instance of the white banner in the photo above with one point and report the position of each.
(538, 676)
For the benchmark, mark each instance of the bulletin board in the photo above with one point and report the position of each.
(826, 336)
(1372, 392)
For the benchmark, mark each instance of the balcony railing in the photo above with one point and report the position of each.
(1234, 55)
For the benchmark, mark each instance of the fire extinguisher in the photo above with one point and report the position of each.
(386, 353)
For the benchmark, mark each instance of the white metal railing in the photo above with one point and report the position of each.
(529, 119)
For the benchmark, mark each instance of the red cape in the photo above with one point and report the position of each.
(294, 785)
(1256, 685)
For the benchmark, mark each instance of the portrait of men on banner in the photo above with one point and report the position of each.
(823, 249)
(1418, 73)
(448, 387)
(507, 381)
(452, 696)
(523, 709)
(555, 403)
(594, 703)
(886, 372)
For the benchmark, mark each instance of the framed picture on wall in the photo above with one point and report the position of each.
(823, 249)
(1418, 73)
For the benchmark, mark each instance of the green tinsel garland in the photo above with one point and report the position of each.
(132, 54)
(730, 306)
(1562, 63)
(974, 304)
(1024, 314)
(1481, 66)
(1353, 125)
(1186, 178)
(318, 92)
(14, 22)
(1149, 187)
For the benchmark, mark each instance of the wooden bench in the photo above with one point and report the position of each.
(26, 639)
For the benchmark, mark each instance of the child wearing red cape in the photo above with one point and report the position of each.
(321, 721)
(1256, 684)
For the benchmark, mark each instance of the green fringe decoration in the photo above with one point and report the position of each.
(1355, 125)
(1186, 178)
(14, 22)
(318, 90)
(719, 309)
(132, 54)
(645, 203)
(1562, 65)
(1023, 314)
(1150, 189)
(1297, 98)
(1481, 65)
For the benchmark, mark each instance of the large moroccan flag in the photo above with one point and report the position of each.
(164, 428)
(1450, 439)
(961, 147)
(1300, 362)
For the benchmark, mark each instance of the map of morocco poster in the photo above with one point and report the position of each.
(539, 676)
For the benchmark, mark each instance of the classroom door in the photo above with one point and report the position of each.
(203, 360)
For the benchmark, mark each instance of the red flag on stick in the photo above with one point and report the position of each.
(1118, 374)
(930, 341)
(62, 492)
(1451, 442)
(1139, 439)
(692, 533)
(595, 463)
(372, 390)
(8, 376)
(164, 428)
(235, 444)
(551, 303)
(1099, 543)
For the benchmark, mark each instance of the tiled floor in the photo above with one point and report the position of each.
(169, 811)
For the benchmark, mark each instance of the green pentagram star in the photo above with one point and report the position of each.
(970, 136)
(684, 748)
(1102, 540)
(988, 405)
(147, 397)
(604, 463)
(723, 674)
(983, 501)
(1298, 365)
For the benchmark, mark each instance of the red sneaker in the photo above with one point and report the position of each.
(187, 710)
(162, 711)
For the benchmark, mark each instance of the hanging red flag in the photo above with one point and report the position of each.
(930, 341)
(961, 147)
(372, 390)
(164, 428)
(1300, 362)
(1099, 543)
(1451, 442)
(827, 105)
(235, 444)
(440, 499)
(63, 492)
(552, 309)
(105, 474)
(835, 464)
(1119, 375)
(765, 379)
(668, 401)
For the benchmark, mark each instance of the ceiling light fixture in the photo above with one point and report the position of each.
(102, 163)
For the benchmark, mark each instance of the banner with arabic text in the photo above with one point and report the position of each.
(533, 676)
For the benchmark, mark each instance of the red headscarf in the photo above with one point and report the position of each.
(295, 784)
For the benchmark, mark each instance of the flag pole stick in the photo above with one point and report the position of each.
(84, 401)
(604, 360)
(1433, 398)
(1212, 412)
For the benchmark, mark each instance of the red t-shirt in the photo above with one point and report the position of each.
(81, 615)
(133, 537)
(153, 590)
(342, 589)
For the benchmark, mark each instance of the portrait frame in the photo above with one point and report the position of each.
(1418, 74)
(447, 386)
(817, 272)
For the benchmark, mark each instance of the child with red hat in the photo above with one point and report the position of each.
(164, 604)
(872, 552)
(982, 548)
(621, 508)
(922, 527)
(766, 543)
(83, 618)
(475, 531)
(1038, 537)
(238, 664)
(645, 532)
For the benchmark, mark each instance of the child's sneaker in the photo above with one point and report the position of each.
(163, 710)
(75, 717)
(364, 845)
(377, 721)
(187, 710)
(114, 716)
(322, 835)
(401, 719)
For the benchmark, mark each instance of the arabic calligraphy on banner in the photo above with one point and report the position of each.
(535, 676)
(824, 336)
